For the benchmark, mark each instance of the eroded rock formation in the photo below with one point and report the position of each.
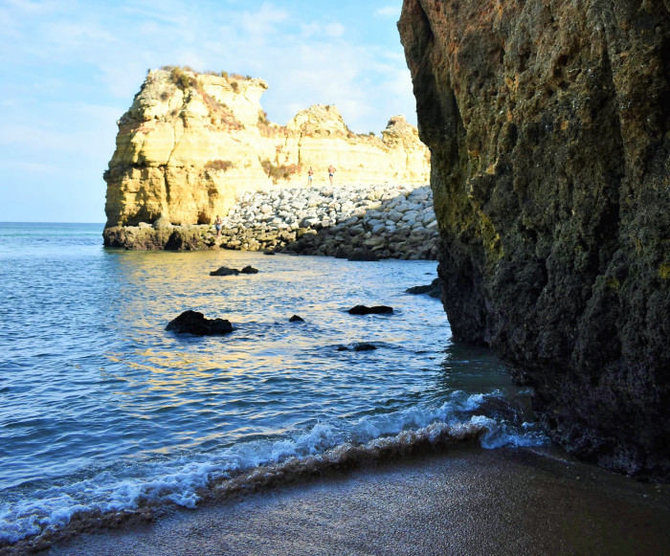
(191, 143)
(549, 129)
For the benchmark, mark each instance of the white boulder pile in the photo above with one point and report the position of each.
(357, 222)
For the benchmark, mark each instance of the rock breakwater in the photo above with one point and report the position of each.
(360, 222)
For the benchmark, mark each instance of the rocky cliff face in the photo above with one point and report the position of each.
(549, 129)
(191, 143)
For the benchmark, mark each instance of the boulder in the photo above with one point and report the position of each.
(224, 271)
(194, 322)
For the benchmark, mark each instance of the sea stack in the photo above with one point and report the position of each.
(549, 129)
(191, 143)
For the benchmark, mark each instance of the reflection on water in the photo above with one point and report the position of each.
(100, 403)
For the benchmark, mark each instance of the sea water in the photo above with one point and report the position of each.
(103, 410)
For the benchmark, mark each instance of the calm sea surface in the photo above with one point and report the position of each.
(101, 408)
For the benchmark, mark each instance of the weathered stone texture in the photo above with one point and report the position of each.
(549, 129)
(191, 143)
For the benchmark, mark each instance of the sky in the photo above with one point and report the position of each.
(71, 68)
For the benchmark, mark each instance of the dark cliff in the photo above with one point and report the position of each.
(549, 128)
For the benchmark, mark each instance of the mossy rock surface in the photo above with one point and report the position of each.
(549, 126)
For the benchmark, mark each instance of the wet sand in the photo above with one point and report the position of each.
(469, 501)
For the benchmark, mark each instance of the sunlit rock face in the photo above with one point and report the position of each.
(549, 129)
(191, 143)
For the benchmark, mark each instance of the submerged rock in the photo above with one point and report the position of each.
(194, 322)
(364, 346)
(249, 270)
(296, 318)
(359, 346)
(374, 310)
(548, 128)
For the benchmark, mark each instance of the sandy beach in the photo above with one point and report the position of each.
(468, 501)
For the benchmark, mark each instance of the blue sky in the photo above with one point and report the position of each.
(71, 68)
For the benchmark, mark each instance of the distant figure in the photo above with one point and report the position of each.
(310, 173)
(331, 173)
(217, 224)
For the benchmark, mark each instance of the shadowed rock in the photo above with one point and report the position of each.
(296, 318)
(224, 271)
(434, 289)
(194, 322)
(374, 310)
(548, 126)
(362, 255)
(249, 270)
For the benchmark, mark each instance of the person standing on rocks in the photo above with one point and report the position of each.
(310, 173)
(217, 224)
(331, 173)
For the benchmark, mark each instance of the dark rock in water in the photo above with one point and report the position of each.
(269, 253)
(362, 255)
(374, 310)
(296, 318)
(434, 289)
(360, 346)
(364, 346)
(172, 238)
(249, 270)
(194, 322)
(224, 271)
(548, 130)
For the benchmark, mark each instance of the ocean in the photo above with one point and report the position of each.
(102, 410)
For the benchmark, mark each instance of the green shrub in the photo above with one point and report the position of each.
(281, 171)
(181, 79)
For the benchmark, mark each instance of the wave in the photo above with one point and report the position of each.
(36, 517)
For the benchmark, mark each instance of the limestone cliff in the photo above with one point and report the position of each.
(549, 129)
(191, 143)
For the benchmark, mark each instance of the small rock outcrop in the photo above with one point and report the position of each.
(191, 143)
(434, 289)
(224, 271)
(194, 322)
(549, 129)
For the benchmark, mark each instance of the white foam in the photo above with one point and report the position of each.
(178, 480)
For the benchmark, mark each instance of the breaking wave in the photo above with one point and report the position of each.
(137, 491)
